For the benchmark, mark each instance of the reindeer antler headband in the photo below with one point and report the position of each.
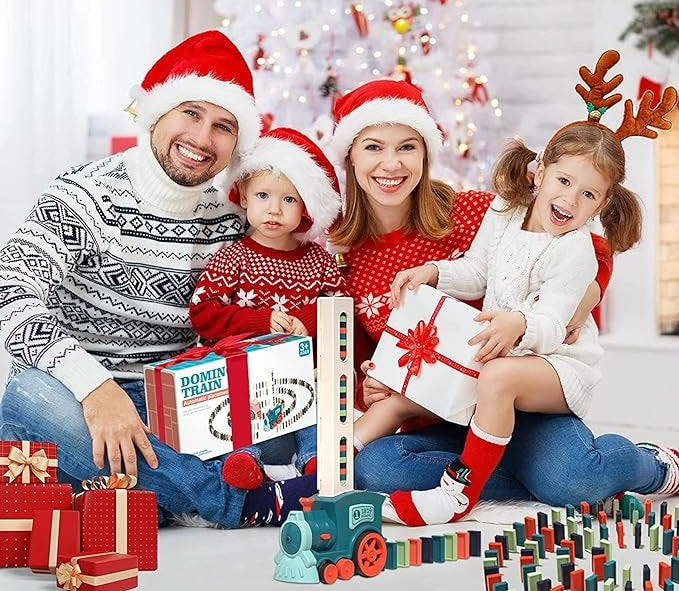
(598, 103)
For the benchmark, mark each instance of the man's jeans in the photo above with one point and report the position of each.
(38, 407)
(552, 458)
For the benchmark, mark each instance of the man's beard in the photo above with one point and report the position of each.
(181, 176)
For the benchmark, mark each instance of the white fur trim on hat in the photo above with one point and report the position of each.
(385, 111)
(321, 200)
(161, 98)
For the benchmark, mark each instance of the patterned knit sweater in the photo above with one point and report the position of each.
(96, 282)
(244, 282)
(371, 267)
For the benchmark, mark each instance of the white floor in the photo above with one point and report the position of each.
(202, 558)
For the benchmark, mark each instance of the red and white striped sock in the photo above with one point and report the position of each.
(460, 488)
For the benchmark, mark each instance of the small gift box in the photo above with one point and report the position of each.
(28, 462)
(424, 355)
(55, 532)
(18, 502)
(212, 400)
(107, 571)
(116, 519)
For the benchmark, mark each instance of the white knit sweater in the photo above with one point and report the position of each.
(544, 277)
(96, 282)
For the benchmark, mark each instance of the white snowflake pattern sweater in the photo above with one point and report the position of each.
(544, 277)
(244, 282)
(97, 281)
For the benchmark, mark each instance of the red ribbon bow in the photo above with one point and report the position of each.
(420, 345)
(222, 347)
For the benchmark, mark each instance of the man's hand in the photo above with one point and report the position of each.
(373, 391)
(501, 334)
(298, 327)
(280, 322)
(428, 274)
(582, 312)
(116, 429)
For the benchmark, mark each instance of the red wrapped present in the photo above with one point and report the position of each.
(106, 571)
(17, 505)
(116, 519)
(423, 353)
(28, 462)
(55, 532)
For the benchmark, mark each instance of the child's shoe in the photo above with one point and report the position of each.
(669, 457)
(241, 470)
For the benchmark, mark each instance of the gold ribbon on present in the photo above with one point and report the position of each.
(20, 462)
(120, 483)
(71, 577)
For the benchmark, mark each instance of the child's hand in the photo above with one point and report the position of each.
(373, 391)
(280, 322)
(298, 327)
(428, 274)
(501, 334)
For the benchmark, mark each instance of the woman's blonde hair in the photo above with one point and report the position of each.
(430, 213)
(621, 218)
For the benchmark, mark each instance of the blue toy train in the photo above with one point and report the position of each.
(331, 538)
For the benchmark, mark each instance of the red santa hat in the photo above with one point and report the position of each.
(291, 153)
(382, 102)
(206, 67)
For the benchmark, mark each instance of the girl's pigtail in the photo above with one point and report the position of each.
(621, 219)
(511, 177)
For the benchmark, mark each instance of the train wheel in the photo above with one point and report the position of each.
(370, 554)
(327, 572)
(345, 568)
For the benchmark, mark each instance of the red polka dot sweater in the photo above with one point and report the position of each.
(371, 267)
(242, 283)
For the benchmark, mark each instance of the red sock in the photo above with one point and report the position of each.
(479, 459)
(311, 467)
(241, 470)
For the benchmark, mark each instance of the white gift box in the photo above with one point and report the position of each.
(424, 355)
(208, 402)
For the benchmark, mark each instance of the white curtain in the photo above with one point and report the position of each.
(62, 61)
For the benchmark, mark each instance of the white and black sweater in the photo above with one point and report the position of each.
(96, 282)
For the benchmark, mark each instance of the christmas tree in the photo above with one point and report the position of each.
(306, 52)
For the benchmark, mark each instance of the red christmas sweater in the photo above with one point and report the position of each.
(371, 268)
(242, 283)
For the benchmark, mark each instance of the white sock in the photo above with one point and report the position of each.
(281, 471)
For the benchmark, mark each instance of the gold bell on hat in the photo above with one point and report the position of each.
(132, 108)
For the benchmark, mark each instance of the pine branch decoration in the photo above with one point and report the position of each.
(656, 24)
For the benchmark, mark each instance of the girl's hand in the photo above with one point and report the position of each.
(298, 327)
(428, 274)
(501, 334)
(280, 322)
(373, 391)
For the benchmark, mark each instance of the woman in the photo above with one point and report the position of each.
(396, 217)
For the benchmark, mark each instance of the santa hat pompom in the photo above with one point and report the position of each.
(382, 102)
(206, 67)
(287, 151)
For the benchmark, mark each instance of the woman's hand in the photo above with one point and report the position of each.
(501, 334)
(428, 274)
(298, 327)
(373, 391)
(582, 312)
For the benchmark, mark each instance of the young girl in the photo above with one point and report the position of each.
(270, 280)
(533, 259)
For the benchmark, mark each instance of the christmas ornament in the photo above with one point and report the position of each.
(329, 86)
(425, 42)
(303, 36)
(360, 20)
(260, 59)
(401, 17)
(478, 93)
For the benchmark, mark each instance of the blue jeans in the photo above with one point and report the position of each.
(551, 458)
(38, 407)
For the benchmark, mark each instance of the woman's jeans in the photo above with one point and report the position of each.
(552, 458)
(38, 407)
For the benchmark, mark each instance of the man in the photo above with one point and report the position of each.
(96, 283)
